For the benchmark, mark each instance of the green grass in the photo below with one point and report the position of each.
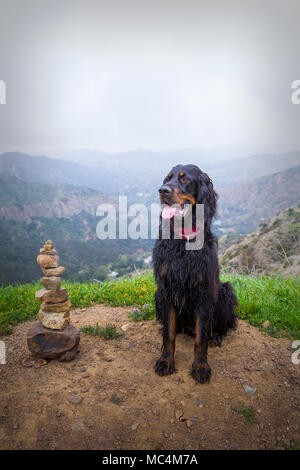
(247, 412)
(269, 298)
(108, 332)
(260, 298)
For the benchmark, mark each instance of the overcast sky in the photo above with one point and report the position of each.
(120, 74)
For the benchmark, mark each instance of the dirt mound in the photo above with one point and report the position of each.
(110, 398)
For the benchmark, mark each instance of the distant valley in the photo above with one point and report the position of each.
(43, 198)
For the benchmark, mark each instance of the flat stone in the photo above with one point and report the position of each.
(48, 252)
(52, 296)
(54, 271)
(48, 261)
(249, 389)
(51, 344)
(75, 399)
(52, 283)
(56, 307)
(125, 327)
(35, 362)
(54, 320)
(78, 426)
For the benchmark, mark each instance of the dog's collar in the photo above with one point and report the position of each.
(187, 234)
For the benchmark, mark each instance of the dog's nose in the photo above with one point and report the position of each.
(164, 189)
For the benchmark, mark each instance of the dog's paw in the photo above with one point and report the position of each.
(201, 372)
(165, 366)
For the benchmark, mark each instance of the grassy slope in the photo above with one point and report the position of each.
(260, 298)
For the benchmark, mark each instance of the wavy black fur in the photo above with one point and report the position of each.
(190, 297)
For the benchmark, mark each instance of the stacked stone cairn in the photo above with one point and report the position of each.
(53, 336)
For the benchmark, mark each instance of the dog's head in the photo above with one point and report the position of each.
(187, 185)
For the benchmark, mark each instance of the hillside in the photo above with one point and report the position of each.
(22, 201)
(243, 207)
(30, 213)
(274, 248)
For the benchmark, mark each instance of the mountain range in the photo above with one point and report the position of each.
(42, 197)
(138, 173)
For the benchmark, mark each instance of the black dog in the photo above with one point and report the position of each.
(190, 297)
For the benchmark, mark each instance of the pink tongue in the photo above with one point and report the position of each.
(168, 212)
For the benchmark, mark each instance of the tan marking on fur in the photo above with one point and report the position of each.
(181, 173)
(172, 331)
(163, 270)
(180, 198)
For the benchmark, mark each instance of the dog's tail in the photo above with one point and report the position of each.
(225, 318)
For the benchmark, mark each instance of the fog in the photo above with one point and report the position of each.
(162, 75)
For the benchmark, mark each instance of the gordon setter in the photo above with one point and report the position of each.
(190, 297)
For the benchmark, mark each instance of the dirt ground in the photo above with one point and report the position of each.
(110, 398)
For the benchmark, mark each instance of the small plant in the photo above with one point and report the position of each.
(116, 400)
(108, 332)
(5, 330)
(293, 445)
(146, 312)
(248, 413)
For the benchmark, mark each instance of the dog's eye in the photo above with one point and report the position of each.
(167, 178)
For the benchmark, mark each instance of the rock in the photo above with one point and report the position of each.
(51, 344)
(248, 389)
(266, 324)
(125, 327)
(48, 245)
(188, 423)
(52, 283)
(35, 362)
(54, 271)
(28, 361)
(78, 426)
(178, 414)
(134, 426)
(54, 320)
(69, 355)
(52, 296)
(59, 307)
(75, 399)
(48, 261)
(48, 252)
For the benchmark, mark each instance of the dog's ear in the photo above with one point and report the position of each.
(207, 196)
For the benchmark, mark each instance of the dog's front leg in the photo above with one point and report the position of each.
(200, 369)
(166, 364)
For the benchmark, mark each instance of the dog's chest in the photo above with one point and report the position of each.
(179, 269)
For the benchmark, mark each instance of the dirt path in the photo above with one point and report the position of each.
(110, 398)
